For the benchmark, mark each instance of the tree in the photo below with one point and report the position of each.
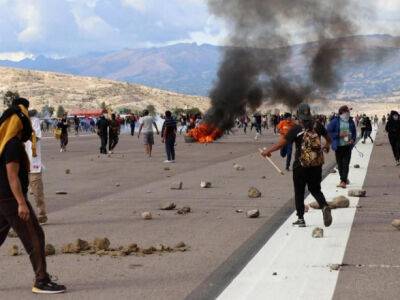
(47, 111)
(193, 111)
(60, 111)
(151, 109)
(176, 112)
(125, 110)
(9, 97)
(103, 106)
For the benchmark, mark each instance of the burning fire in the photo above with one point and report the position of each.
(205, 133)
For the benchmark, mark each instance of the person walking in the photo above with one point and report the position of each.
(309, 158)
(132, 123)
(362, 125)
(114, 131)
(284, 127)
(368, 130)
(77, 122)
(168, 135)
(393, 129)
(146, 126)
(33, 149)
(15, 210)
(63, 125)
(343, 133)
(102, 132)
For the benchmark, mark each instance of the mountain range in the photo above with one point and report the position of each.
(192, 69)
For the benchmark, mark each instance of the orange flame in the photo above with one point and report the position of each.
(205, 133)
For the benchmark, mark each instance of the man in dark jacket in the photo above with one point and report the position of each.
(393, 130)
(114, 131)
(342, 131)
(102, 131)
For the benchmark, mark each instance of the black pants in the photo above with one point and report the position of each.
(103, 146)
(30, 233)
(343, 157)
(64, 140)
(133, 129)
(113, 141)
(395, 143)
(170, 148)
(367, 134)
(362, 132)
(310, 177)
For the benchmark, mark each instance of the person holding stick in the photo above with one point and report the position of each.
(309, 158)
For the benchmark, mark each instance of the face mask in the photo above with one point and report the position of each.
(345, 116)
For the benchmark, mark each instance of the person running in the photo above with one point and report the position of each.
(114, 131)
(368, 130)
(393, 129)
(33, 149)
(363, 125)
(146, 126)
(63, 125)
(102, 132)
(343, 133)
(168, 135)
(15, 210)
(309, 158)
(77, 122)
(284, 127)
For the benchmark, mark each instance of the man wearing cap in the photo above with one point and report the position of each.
(342, 130)
(306, 172)
(15, 210)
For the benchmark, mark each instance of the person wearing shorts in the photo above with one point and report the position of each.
(146, 127)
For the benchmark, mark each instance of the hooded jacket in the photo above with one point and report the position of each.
(392, 125)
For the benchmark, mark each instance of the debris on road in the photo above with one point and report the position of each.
(184, 210)
(239, 211)
(67, 171)
(333, 171)
(12, 234)
(101, 244)
(337, 202)
(238, 167)
(252, 214)
(147, 215)
(117, 184)
(356, 166)
(318, 233)
(168, 206)
(61, 193)
(357, 193)
(205, 184)
(167, 169)
(49, 250)
(335, 267)
(254, 193)
(178, 185)
(396, 223)
(14, 250)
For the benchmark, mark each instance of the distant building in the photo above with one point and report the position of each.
(87, 113)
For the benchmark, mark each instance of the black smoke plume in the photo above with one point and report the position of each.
(256, 67)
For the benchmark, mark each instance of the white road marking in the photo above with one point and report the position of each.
(300, 262)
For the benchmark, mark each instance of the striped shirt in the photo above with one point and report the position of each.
(169, 128)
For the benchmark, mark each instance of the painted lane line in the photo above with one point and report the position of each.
(300, 262)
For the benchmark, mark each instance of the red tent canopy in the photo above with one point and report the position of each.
(87, 112)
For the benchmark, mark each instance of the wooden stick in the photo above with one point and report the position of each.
(271, 162)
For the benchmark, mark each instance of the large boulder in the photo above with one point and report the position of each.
(101, 244)
(339, 202)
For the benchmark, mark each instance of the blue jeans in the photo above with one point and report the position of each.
(170, 148)
(287, 151)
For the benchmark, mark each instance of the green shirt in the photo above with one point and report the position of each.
(344, 128)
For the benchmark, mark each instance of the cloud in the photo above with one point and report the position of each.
(15, 56)
(139, 5)
(29, 14)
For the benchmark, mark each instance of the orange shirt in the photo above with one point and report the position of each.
(284, 126)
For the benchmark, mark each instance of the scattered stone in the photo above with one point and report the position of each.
(117, 185)
(379, 144)
(167, 169)
(67, 171)
(357, 193)
(12, 234)
(61, 193)
(238, 167)
(335, 267)
(263, 177)
(254, 193)
(274, 274)
(14, 250)
(180, 245)
(168, 206)
(147, 215)
(49, 250)
(101, 244)
(339, 202)
(149, 250)
(205, 184)
(396, 223)
(177, 185)
(239, 211)
(76, 247)
(333, 171)
(356, 166)
(359, 206)
(252, 214)
(184, 210)
(318, 233)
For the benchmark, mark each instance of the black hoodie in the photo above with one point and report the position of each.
(393, 126)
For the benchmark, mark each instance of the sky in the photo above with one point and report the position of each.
(62, 28)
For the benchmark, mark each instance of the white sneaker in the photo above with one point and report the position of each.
(167, 161)
(172, 161)
(61, 150)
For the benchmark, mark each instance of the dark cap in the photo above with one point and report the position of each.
(343, 109)
(287, 115)
(304, 112)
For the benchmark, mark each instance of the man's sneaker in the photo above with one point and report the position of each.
(167, 161)
(300, 223)
(49, 287)
(42, 219)
(326, 212)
